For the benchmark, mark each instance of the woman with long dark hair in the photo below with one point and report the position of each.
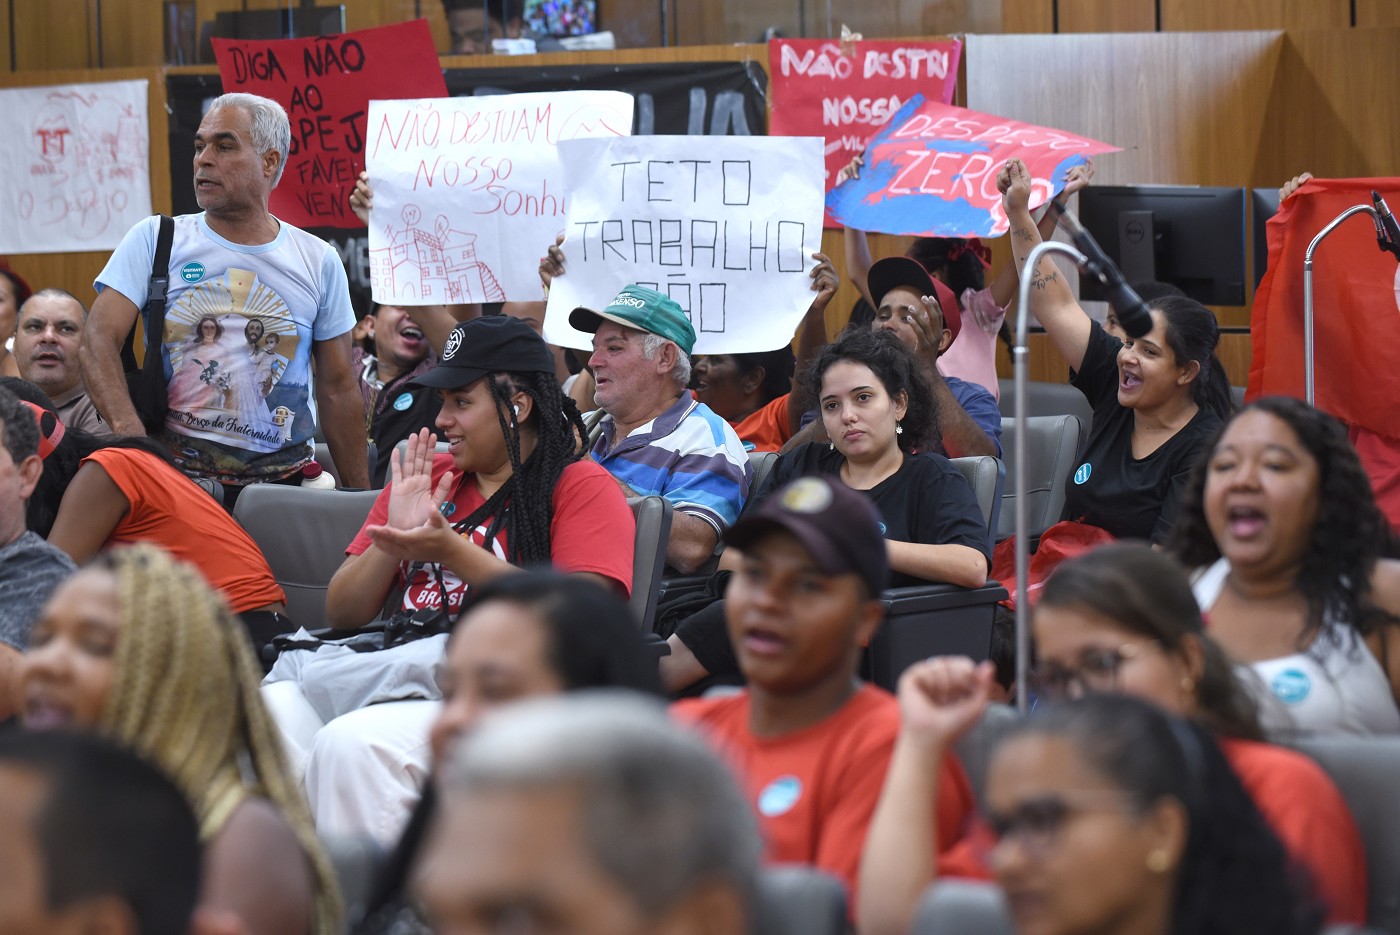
(1281, 524)
(1156, 398)
(879, 413)
(511, 492)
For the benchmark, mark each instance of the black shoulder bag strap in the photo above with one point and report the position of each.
(147, 383)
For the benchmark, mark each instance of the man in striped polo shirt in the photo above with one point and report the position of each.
(656, 437)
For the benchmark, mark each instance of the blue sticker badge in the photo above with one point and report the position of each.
(779, 796)
(1291, 686)
(403, 402)
(1081, 475)
(192, 272)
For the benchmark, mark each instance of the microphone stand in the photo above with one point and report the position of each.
(1308, 328)
(1020, 353)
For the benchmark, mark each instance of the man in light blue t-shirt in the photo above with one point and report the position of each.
(252, 303)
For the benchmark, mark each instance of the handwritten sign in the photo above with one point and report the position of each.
(470, 191)
(726, 226)
(74, 166)
(325, 83)
(932, 171)
(821, 90)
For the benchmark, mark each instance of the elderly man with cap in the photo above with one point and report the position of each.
(656, 438)
(809, 740)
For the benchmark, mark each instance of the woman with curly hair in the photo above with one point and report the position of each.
(1282, 525)
(136, 646)
(878, 410)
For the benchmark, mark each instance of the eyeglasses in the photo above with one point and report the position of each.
(1035, 824)
(1097, 671)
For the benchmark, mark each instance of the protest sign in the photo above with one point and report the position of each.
(932, 171)
(726, 226)
(845, 93)
(75, 166)
(325, 83)
(470, 191)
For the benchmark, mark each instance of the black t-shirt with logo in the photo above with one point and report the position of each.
(1131, 498)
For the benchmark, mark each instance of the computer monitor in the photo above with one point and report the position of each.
(1263, 204)
(1186, 235)
(561, 18)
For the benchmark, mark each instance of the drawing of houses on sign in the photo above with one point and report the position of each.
(440, 266)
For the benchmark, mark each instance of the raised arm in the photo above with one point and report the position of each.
(341, 409)
(810, 338)
(100, 355)
(1003, 287)
(858, 261)
(1052, 302)
(939, 700)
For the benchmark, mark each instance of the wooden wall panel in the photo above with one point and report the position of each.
(1324, 113)
(1377, 13)
(1189, 15)
(637, 23)
(6, 63)
(75, 271)
(1024, 16)
(1107, 15)
(41, 44)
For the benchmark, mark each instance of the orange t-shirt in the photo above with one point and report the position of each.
(168, 510)
(815, 790)
(1309, 815)
(765, 429)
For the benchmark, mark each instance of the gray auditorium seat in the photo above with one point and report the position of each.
(1048, 399)
(798, 900)
(963, 907)
(653, 515)
(1052, 444)
(303, 535)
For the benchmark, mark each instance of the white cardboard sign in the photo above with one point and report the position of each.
(469, 191)
(726, 226)
(74, 166)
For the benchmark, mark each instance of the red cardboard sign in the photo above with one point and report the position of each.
(819, 90)
(325, 83)
(932, 171)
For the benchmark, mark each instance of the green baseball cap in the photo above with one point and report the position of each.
(641, 308)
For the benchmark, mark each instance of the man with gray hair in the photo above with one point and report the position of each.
(46, 349)
(238, 276)
(591, 814)
(656, 437)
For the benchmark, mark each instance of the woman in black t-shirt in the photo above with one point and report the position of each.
(879, 413)
(1156, 398)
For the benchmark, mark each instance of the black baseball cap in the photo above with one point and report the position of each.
(837, 525)
(895, 271)
(490, 344)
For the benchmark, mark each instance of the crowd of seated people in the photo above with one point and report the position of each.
(484, 713)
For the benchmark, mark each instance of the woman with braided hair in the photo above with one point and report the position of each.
(511, 492)
(138, 647)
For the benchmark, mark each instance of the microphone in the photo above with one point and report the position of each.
(1132, 311)
(1387, 231)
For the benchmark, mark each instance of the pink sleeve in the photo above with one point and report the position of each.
(593, 529)
(984, 309)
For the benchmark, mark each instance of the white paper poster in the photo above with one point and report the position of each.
(726, 226)
(469, 191)
(74, 166)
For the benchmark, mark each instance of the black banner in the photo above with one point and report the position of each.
(673, 99)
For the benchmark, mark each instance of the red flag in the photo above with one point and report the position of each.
(1356, 307)
(1354, 304)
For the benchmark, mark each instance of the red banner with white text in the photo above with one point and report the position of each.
(844, 93)
(326, 83)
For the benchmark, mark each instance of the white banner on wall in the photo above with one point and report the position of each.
(469, 192)
(726, 226)
(74, 166)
